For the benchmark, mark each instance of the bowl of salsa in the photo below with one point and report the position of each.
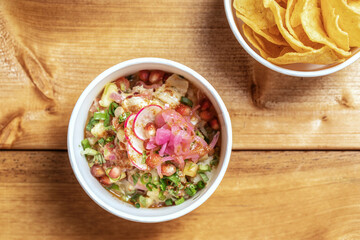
(149, 140)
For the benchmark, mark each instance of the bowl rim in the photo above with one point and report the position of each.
(261, 60)
(81, 179)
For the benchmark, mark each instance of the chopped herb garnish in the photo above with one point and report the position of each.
(186, 101)
(113, 187)
(168, 202)
(124, 116)
(146, 178)
(204, 168)
(112, 108)
(134, 198)
(99, 115)
(162, 184)
(190, 190)
(150, 186)
(101, 141)
(137, 205)
(85, 143)
(204, 177)
(135, 178)
(200, 185)
(174, 178)
(107, 119)
(179, 201)
(91, 124)
(110, 139)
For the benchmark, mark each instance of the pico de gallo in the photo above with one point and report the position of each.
(152, 139)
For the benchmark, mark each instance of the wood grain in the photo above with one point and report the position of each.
(264, 195)
(51, 50)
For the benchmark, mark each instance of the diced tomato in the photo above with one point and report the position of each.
(115, 172)
(183, 110)
(156, 76)
(214, 123)
(144, 75)
(123, 84)
(105, 180)
(205, 104)
(150, 130)
(206, 115)
(97, 171)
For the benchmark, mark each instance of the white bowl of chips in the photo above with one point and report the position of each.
(277, 34)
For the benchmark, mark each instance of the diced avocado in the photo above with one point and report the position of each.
(89, 151)
(98, 130)
(106, 100)
(190, 169)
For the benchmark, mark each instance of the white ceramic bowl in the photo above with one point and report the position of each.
(297, 70)
(76, 133)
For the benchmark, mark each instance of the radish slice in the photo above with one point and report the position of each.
(136, 143)
(144, 116)
(136, 158)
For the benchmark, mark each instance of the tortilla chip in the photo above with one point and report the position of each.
(264, 52)
(349, 20)
(324, 55)
(276, 39)
(295, 18)
(312, 24)
(331, 23)
(279, 14)
(255, 11)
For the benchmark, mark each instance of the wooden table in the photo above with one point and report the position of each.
(288, 177)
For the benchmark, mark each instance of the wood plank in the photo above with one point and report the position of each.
(51, 50)
(264, 195)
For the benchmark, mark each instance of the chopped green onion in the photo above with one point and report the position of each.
(186, 101)
(162, 184)
(137, 205)
(91, 124)
(180, 201)
(107, 119)
(101, 141)
(135, 178)
(124, 116)
(110, 139)
(99, 115)
(112, 108)
(190, 190)
(204, 177)
(146, 178)
(150, 186)
(168, 202)
(200, 185)
(85, 143)
(204, 168)
(144, 156)
(134, 198)
(174, 178)
(161, 196)
(113, 187)
(89, 151)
